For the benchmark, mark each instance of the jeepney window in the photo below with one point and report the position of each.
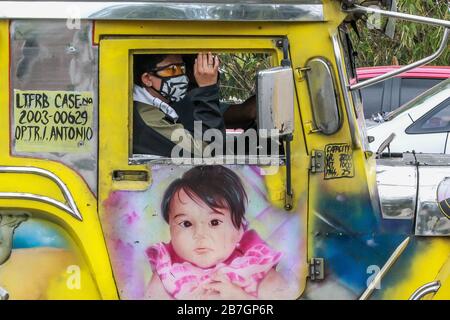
(175, 107)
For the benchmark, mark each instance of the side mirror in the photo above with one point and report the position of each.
(276, 114)
(385, 145)
(275, 100)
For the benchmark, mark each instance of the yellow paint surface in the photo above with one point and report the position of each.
(424, 268)
(41, 273)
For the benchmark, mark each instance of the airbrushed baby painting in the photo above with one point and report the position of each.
(206, 237)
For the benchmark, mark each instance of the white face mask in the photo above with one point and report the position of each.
(174, 88)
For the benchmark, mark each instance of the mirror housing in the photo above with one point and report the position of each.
(275, 100)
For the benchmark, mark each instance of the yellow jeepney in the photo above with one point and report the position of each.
(81, 213)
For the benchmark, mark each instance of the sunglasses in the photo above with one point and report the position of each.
(170, 70)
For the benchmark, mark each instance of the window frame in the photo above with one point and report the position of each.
(414, 128)
(189, 45)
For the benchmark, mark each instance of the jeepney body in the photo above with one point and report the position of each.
(78, 210)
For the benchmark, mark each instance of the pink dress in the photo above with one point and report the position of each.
(246, 267)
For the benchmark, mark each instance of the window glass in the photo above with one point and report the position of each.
(411, 88)
(372, 98)
(437, 93)
(438, 120)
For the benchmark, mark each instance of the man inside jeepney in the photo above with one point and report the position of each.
(160, 81)
(237, 114)
(172, 92)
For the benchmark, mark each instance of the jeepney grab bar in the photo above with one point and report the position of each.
(408, 17)
(399, 15)
(403, 69)
(70, 207)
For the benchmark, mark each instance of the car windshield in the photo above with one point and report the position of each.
(438, 89)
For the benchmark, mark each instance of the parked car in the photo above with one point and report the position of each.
(422, 125)
(389, 95)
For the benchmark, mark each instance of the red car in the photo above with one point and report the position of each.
(391, 94)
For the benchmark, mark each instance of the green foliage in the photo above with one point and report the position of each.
(411, 42)
(238, 74)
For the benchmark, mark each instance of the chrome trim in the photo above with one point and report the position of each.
(4, 295)
(428, 288)
(322, 86)
(31, 196)
(397, 190)
(306, 10)
(344, 85)
(138, 159)
(394, 256)
(408, 67)
(71, 208)
(399, 15)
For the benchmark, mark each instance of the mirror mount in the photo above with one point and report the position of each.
(289, 194)
(276, 111)
(284, 44)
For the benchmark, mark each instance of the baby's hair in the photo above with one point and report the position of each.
(217, 186)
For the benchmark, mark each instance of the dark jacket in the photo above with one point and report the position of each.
(152, 130)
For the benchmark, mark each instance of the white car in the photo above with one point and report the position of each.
(422, 125)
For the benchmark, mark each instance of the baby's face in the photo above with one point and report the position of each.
(199, 234)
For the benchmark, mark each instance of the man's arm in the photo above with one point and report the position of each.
(205, 102)
(205, 98)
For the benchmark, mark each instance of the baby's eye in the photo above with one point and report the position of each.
(185, 224)
(215, 222)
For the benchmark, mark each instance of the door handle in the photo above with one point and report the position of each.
(130, 175)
